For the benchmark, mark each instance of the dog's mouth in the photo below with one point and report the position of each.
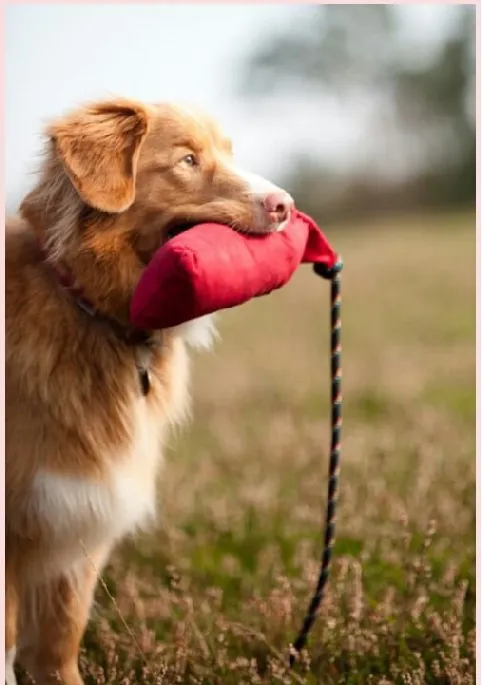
(178, 227)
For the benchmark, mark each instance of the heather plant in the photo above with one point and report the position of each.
(216, 593)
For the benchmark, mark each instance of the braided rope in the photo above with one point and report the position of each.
(334, 467)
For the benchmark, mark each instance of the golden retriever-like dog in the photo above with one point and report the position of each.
(89, 400)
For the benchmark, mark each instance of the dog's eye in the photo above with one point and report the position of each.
(190, 160)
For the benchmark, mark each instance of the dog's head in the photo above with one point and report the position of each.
(123, 177)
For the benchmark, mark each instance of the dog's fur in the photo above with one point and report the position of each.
(83, 444)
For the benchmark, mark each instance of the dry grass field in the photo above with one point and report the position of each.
(216, 594)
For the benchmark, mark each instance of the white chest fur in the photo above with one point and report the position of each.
(98, 512)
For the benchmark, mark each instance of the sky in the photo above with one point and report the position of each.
(58, 56)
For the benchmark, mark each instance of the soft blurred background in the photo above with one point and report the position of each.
(366, 113)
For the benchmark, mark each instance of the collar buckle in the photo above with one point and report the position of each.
(86, 306)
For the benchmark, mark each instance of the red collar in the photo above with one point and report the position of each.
(129, 335)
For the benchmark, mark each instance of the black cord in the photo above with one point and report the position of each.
(334, 468)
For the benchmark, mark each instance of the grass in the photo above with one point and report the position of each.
(217, 593)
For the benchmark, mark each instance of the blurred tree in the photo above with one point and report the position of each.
(330, 46)
(355, 51)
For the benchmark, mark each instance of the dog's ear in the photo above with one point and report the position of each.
(99, 147)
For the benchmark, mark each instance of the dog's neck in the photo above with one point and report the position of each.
(88, 252)
(142, 341)
(129, 335)
(93, 248)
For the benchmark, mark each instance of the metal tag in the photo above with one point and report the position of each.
(144, 380)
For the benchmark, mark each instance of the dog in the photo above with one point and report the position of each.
(89, 400)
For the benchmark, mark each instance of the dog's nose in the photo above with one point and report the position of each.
(280, 204)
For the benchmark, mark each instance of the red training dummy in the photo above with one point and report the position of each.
(212, 267)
